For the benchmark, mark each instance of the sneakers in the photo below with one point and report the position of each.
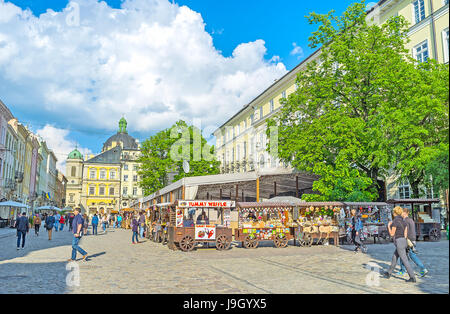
(84, 258)
(423, 272)
(387, 275)
(18, 248)
(400, 273)
(411, 280)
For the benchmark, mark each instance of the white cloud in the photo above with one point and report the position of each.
(150, 60)
(297, 51)
(57, 141)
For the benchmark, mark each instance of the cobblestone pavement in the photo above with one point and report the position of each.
(117, 266)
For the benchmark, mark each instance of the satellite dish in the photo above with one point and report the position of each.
(186, 166)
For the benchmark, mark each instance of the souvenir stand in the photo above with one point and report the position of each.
(160, 218)
(319, 221)
(375, 217)
(264, 221)
(187, 227)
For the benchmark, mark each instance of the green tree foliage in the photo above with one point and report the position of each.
(158, 161)
(351, 119)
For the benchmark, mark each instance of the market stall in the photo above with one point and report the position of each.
(319, 221)
(375, 217)
(159, 221)
(195, 222)
(264, 222)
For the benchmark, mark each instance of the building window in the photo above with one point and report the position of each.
(283, 94)
(445, 44)
(419, 10)
(71, 197)
(135, 191)
(135, 168)
(404, 191)
(125, 191)
(125, 178)
(421, 52)
(101, 190)
(102, 174)
(261, 112)
(111, 191)
(112, 175)
(238, 157)
(252, 118)
(125, 167)
(135, 178)
(272, 106)
(92, 173)
(91, 190)
(245, 149)
(73, 172)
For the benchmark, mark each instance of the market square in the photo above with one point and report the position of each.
(222, 148)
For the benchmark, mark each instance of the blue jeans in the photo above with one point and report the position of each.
(21, 234)
(61, 227)
(119, 223)
(104, 227)
(94, 228)
(141, 232)
(76, 248)
(415, 259)
(135, 236)
(56, 226)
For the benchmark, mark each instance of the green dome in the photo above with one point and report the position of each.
(75, 154)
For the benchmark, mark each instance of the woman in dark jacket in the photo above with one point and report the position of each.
(134, 228)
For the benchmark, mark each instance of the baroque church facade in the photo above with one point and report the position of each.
(109, 181)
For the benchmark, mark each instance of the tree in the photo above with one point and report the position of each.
(165, 152)
(341, 121)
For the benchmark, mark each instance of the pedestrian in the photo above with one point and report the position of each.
(411, 250)
(119, 220)
(57, 218)
(71, 216)
(356, 229)
(22, 226)
(141, 224)
(49, 223)
(104, 223)
(94, 222)
(37, 224)
(399, 231)
(61, 223)
(77, 227)
(134, 229)
(85, 224)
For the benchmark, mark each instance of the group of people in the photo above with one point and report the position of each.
(402, 229)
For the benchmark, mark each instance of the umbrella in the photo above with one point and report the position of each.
(14, 204)
(50, 208)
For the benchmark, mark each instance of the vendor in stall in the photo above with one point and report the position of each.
(252, 216)
(202, 218)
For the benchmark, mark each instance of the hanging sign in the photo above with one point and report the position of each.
(200, 204)
(226, 217)
(179, 216)
(205, 232)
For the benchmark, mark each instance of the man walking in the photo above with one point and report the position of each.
(94, 222)
(22, 226)
(70, 221)
(37, 224)
(77, 226)
(411, 251)
(119, 220)
(49, 223)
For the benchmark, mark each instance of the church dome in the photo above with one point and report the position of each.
(121, 138)
(75, 154)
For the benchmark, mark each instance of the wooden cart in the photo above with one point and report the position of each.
(270, 223)
(309, 232)
(184, 234)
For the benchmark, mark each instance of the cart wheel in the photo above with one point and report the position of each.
(280, 241)
(187, 244)
(250, 243)
(307, 239)
(434, 235)
(222, 243)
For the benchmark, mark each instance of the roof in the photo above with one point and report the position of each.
(414, 200)
(314, 204)
(111, 156)
(128, 142)
(263, 204)
(366, 204)
(75, 154)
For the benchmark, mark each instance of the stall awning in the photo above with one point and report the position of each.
(14, 204)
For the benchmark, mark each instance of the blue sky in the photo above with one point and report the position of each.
(234, 26)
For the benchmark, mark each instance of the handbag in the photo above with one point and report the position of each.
(409, 242)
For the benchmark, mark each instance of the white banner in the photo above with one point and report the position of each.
(210, 204)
